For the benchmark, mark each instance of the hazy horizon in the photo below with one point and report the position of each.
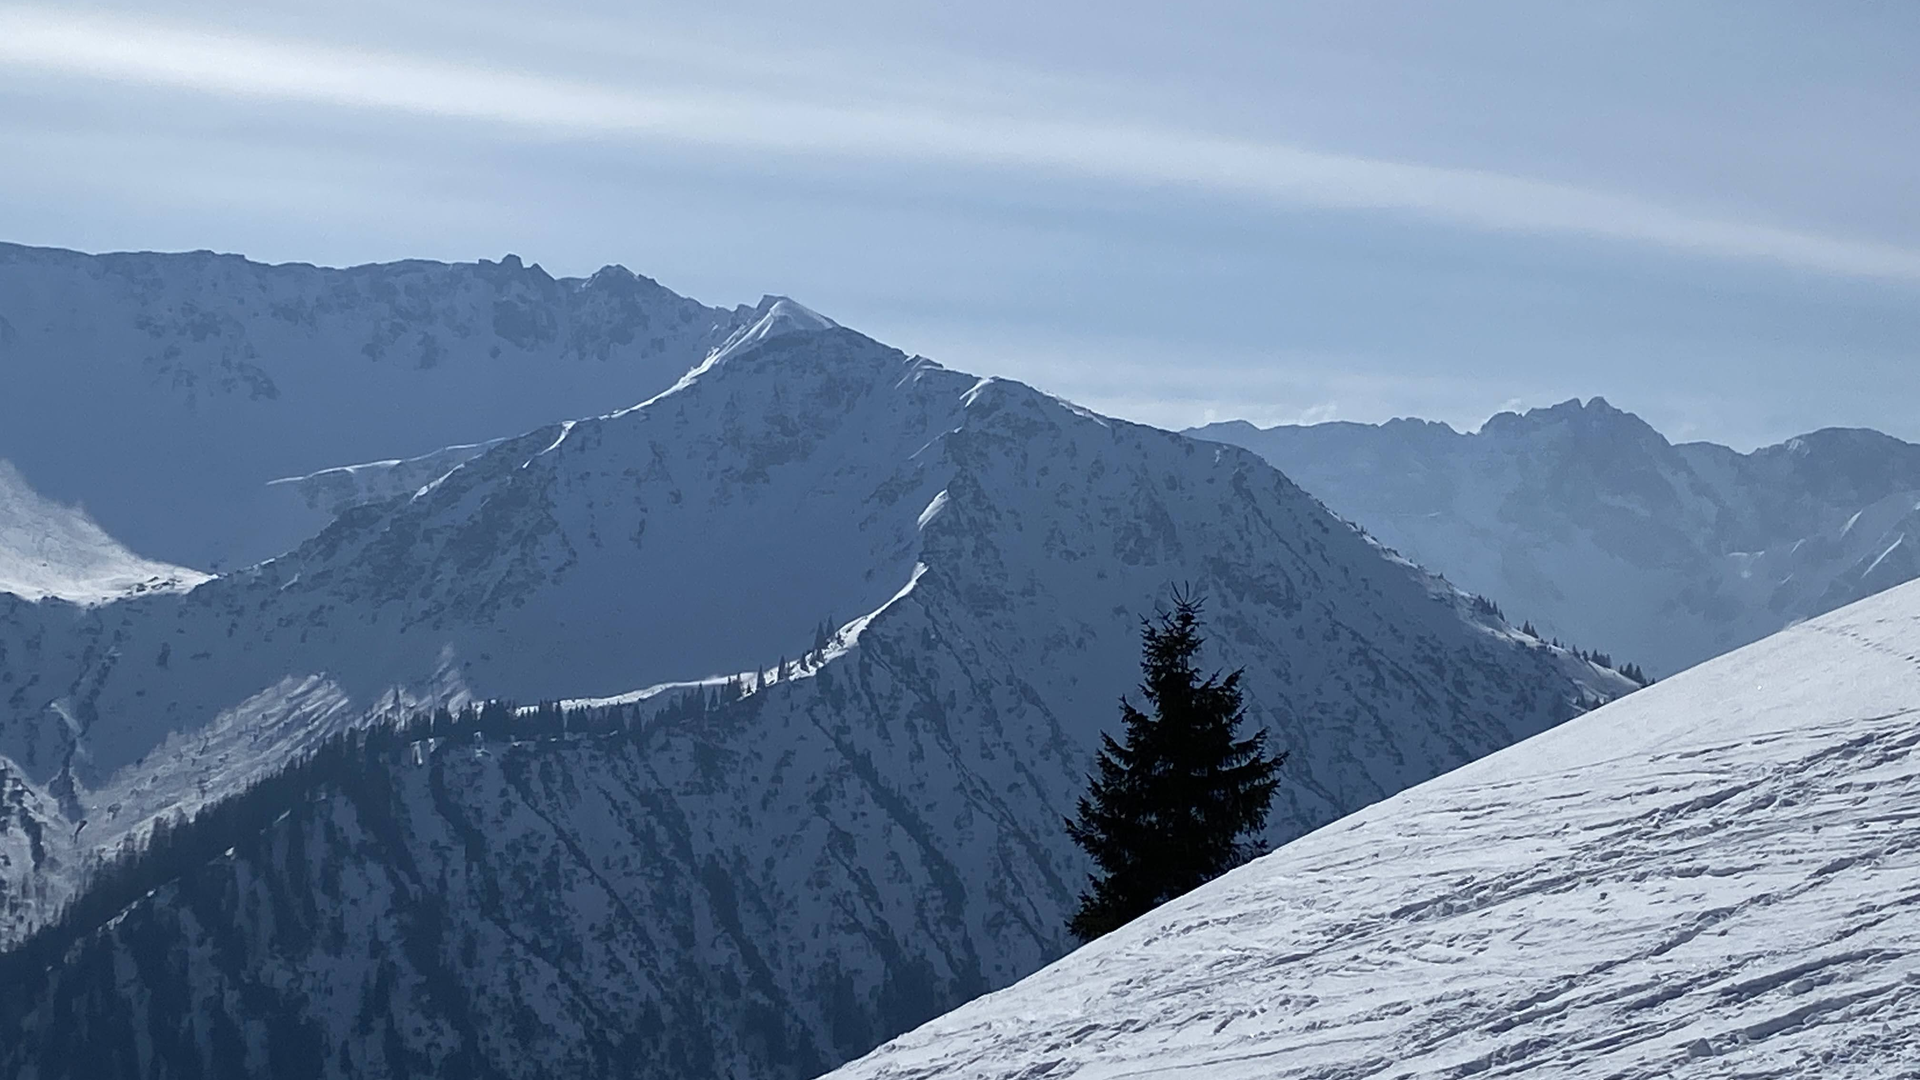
(1235, 211)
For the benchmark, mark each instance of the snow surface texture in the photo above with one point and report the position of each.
(1585, 521)
(767, 890)
(1716, 877)
(164, 391)
(50, 550)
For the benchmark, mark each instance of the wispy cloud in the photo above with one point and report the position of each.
(213, 61)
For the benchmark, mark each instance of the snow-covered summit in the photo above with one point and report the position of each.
(1584, 520)
(51, 550)
(1713, 878)
(778, 315)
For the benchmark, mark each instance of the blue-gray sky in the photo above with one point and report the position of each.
(1177, 213)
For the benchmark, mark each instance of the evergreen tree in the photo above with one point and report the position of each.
(1173, 801)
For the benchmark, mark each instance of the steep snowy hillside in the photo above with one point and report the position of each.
(765, 888)
(1717, 877)
(163, 391)
(1585, 521)
(47, 549)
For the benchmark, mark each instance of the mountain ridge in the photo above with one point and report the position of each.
(215, 374)
(869, 840)
(1584, 520)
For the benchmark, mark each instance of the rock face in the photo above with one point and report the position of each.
(1712, 878)
(1585, 521)
(164, 391)
(765, 887)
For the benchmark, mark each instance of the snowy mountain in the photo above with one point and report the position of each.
(51, 550)
(953, 569)
(1585, 521)
(163, 391)
(1715, 877)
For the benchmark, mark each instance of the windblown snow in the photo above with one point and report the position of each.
(51, 550)
(1716, 877)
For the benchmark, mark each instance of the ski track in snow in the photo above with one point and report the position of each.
(1717, 877)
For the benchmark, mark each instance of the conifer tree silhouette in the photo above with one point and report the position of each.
(1172, 802)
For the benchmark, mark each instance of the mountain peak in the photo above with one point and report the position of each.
(1594, 416)
(791, 312)
(1587, 521)
(1839, 442)
(778, 316)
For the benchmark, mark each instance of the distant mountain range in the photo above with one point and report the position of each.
(870, 613)
(164, 391)
(1713, 878)
(1586, 522)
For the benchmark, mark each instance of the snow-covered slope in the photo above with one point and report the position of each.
(1716, 877)
(1583, 520)
(778, 884)
(50, 550)
(163, 391)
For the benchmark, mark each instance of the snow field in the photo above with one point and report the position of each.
(1717, 877)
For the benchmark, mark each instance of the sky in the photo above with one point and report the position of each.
(1173, 213)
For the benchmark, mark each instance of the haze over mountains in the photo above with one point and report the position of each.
(1586, 522)
(841, 627)
(1712, 878)
(218, 377)
(934, 581)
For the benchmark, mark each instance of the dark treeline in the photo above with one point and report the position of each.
(1590, 656)
(1631, 671)
(178, 844)
(1600, 659)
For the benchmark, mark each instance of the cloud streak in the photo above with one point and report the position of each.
(139, 52)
